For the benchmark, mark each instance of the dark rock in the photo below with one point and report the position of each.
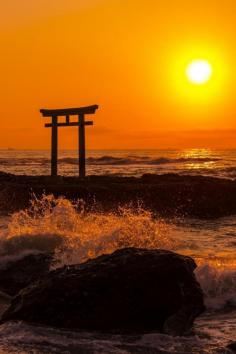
(19, 272)
(232, 346)
(129, 290)
(169, 194)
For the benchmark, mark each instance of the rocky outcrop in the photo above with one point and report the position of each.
(19, 272)
(129, 290)
(166, 195)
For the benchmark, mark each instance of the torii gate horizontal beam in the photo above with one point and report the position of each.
(69, 111)
(71, 124)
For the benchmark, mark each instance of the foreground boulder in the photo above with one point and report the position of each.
(19, 271)
(129, 290)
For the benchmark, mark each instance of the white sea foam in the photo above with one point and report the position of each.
(27, 338)
(219, 286)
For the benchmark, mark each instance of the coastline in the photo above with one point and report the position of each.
(165, 195)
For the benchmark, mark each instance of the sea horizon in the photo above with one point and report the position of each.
(219, 163)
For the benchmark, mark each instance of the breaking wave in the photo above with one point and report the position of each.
(57, 224)
(145, 160)
(23, 161)
(108, 160)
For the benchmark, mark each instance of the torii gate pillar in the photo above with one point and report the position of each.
(82, 151)
(81, 123)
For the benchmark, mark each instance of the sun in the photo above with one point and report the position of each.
(199, 72)
(195, 77)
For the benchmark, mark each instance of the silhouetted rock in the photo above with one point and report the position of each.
(166, 195)
(21, 271)
(129, 290)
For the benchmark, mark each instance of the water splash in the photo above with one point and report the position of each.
(57, 224)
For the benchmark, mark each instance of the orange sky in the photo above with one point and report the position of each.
(126, 56)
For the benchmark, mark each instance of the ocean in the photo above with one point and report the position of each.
(212, 243)
(218, 163)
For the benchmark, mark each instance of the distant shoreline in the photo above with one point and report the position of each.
(169, 195)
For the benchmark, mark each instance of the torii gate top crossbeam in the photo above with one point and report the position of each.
(69, 111)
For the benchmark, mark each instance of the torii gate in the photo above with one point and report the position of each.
(54, 114)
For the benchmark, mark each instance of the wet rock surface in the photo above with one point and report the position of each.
(232, 346)
(129, 290)
(16, 274)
